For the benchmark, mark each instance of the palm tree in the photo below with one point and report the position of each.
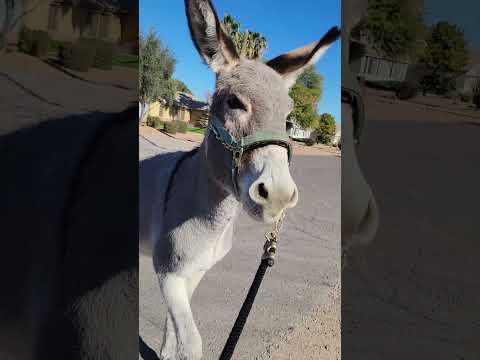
(249, 44)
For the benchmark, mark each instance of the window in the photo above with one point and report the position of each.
(53, 18)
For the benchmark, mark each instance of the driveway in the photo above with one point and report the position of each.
(302, 280)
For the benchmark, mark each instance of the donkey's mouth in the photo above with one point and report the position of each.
(259, 213)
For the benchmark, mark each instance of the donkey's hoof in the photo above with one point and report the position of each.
(192, 350)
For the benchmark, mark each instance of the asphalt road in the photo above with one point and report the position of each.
(307, 267)
(414, 293)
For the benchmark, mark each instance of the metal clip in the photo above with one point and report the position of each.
(270, 248)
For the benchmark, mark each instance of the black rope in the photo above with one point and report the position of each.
(237, 329)
(183, 157)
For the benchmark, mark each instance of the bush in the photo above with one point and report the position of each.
(34, 42)
(465, 97)
(104, 52)
(310, 141)
(80, 55)
(182, 127)
(41, 43)
(65, 52)
(25, 40)
(407, 90)
(85, 53)
(171, 127)
(155, 122)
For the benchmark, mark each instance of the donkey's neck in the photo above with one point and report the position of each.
(202, 197)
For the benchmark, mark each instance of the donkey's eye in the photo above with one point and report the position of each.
(235, 103)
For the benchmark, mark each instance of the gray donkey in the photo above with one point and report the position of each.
(189, 201)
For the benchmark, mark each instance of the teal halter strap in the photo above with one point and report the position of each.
(250, 142)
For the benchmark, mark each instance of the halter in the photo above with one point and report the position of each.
(246, 143)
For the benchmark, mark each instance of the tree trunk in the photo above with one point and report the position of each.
(143, 112)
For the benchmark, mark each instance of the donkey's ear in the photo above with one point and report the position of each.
(293, 63)
(209, 36)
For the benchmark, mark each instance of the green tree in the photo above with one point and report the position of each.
(445, 57)
(395, 27)
(249, 44)
(181, 86)
(306, 93)
(156, 66)
(325, 129)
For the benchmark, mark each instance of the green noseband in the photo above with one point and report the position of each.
(247, 143)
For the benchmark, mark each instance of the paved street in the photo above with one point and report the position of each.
(33, 92)
(414, 293)
(306, 270)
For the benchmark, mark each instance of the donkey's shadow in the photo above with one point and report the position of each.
(146, 352)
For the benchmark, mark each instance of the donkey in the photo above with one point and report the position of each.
(359, 208)
(188, 209)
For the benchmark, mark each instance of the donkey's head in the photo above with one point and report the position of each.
(251, 101)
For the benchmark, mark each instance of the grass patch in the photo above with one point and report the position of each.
(126, 60)
(196, 130)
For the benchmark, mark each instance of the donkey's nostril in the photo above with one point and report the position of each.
(262, 191)
(294, 195)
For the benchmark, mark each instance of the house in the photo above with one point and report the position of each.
(375, 66)
(67, 20)
(296, 132)
(337, 138)
(185, 107)
(471, 77)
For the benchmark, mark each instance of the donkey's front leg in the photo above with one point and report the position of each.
(169, 345)
(175, 292)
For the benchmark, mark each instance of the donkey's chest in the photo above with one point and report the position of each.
(197, 248)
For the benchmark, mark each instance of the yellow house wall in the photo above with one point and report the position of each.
(166, 113)
(38, 20)
(195, 116)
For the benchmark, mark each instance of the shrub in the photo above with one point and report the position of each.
(310, 141)
(155, 122)
(171, 127)
(182, 127)
(104, 52)
(150, 121)
(465, 97)
(65, 52)
(34, 42)
(80, 55)
(25, 40)
(40, 43)
(407, 90)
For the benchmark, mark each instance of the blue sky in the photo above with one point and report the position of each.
(464, 13)
(286, 25)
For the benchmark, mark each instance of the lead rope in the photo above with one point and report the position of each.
(268, 259)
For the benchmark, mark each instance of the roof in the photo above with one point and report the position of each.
(104, 5)
(189, 101)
